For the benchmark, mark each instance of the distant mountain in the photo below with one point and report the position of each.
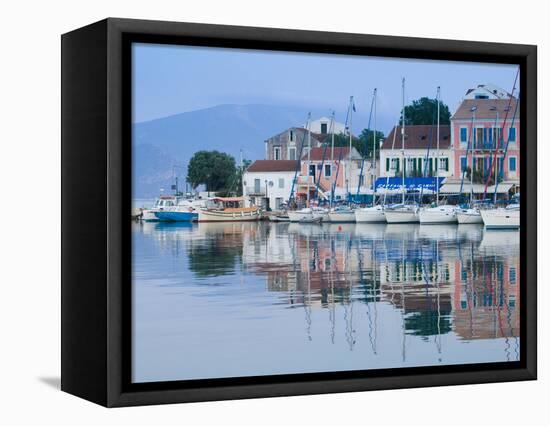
(164, 142)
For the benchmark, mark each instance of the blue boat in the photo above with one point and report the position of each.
(176, 216)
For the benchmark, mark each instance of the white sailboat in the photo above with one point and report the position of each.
(374, 213)
(469, 216)
(342, 214)
(402, 213)
(443, 213)
(501, 218)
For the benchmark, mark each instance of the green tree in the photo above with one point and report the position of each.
(363, 144)
(366, 143)
(424, 111)
(216, 170)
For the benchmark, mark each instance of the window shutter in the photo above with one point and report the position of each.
(387, 164)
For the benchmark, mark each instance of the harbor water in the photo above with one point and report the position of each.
(258, 298)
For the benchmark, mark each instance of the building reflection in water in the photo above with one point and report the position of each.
(442, 279)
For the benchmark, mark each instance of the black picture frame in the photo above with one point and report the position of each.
(96, 183)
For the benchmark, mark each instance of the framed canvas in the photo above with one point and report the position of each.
(256, 212)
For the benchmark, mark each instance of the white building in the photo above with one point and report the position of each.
(420, 152)
(487, 91)
(322, 126)
(268, 183)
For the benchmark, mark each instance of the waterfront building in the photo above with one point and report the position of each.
(267, 183)
(420, 154)
(287, 145)
(486, 121)
(325, 166)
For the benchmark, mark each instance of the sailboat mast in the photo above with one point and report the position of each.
(437, 161)
(331, 157)
(351, 106)
(374, 154)
(403, 144)
(472, 154)
(308, 155)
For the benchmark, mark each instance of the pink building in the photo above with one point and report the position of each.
(485, 125)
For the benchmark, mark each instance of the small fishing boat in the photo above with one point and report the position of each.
(162, 203)
(437, 214)
(342, 214)
(373, 214)
(469, 216)
(402, 213)
(228, 209)
(501, 218)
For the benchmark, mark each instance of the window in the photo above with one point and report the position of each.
(479, 137)
(323, 128)
(395, 164)
(277, 153)
(444, 164)
(328, 170)
(463, 135)
(278, 203)
(512, 134)
(482, 96)
(463, 164)
(496, 135)
(292, 153)
(512, 275)
(512, 164)
(281, 183)
(291, 135)
(312, 170)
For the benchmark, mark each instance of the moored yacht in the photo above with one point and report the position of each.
(438, 214)
(469, 216)
(373, 214)
(342, 214)
(402, 213)
(501, 218)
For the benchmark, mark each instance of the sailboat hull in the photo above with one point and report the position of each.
(342, 217)
(297, 216)
(370, 215)
(469, 217)
(435, 215)
(401, 216)
(500, 219)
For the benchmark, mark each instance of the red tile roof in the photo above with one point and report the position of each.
(273, 166)
(420, 137)
(486, 109)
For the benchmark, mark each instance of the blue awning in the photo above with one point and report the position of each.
(412, 184)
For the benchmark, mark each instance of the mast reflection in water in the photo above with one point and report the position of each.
(246, 299)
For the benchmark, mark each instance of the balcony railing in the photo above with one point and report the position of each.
(255, 190)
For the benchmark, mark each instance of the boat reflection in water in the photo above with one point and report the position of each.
(254, 298)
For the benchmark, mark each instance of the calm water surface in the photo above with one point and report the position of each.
(246, 299)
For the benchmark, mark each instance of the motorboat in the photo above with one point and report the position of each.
(373, 214)
(438, 214)
(228, 209)
(162, 203)
(501, 218)
(402, 213)
(184, 211)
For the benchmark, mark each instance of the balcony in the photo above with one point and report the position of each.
(255, 190)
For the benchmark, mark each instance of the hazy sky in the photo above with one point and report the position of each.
(174, 79)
